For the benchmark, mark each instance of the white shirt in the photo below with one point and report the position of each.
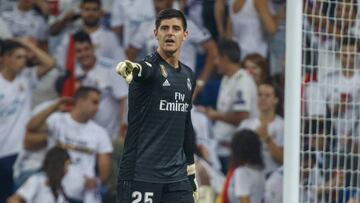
(130, 14)
(248, 29)
(328, 92)
(247, 181)
(113, 88)
(237, 93)
(202, 127)
(27, 23)
(89, 139)
(274, 187)
(105, 42)
(36, 190)
(15, 108)
(144, 39)
(275, 130)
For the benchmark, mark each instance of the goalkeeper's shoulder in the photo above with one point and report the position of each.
(150, 60)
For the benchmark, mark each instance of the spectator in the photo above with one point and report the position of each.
(257, 66)
(44, 90)
(277, 40)
(127, 15)
(274, 187)
(342, 89)
(246, 179)
(97, 72)
(144, 40)
(15, 105)
(248, 23)
(45, 186)
(105, 42)
(269, 127)
(23, 21)
(236, 101)
(88, 144)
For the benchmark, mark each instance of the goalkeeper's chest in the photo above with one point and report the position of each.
(174, 90)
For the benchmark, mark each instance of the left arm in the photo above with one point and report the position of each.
(275, 150)
(189, 149)
(268, 20)
(122, 113)
(104, 165)
(211, 56)
(189, 140)
(46, 62)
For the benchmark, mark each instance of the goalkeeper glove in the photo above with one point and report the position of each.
(191, 175)
(126, 68)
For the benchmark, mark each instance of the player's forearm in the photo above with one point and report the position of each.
(104, 164)
(189, 141)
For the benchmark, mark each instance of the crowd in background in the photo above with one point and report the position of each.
(59, 90)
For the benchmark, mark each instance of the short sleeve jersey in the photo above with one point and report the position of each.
(247, 181)
(35, 189)
(84, 141)
(15, 110)
(237, 93)
(112, 87)
(159, 105)
(276, 131)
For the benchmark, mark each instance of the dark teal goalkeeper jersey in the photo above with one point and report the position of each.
(160, 139)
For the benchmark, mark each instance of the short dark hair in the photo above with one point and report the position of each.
(81, 36)
(8, 46)
(231, 49)
(84, 91)
(170, 13)
(92, 1)
(246, 149)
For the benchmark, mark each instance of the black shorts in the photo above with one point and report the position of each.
(143, 192)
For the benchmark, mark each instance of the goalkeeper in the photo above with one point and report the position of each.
(158, 160)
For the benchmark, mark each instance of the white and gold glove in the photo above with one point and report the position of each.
(126, 68)
(191, 175)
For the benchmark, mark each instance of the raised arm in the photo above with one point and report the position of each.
(37, 129)
(134, 71)
(46, 62)
(269, 20)
(189, 150)
(211, 56)
(219, 12)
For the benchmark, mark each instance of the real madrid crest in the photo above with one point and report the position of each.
(189, 84)
(163, 71)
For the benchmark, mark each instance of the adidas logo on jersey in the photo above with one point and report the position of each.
(166, 83)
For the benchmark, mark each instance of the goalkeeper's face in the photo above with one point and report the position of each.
(170, 35)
